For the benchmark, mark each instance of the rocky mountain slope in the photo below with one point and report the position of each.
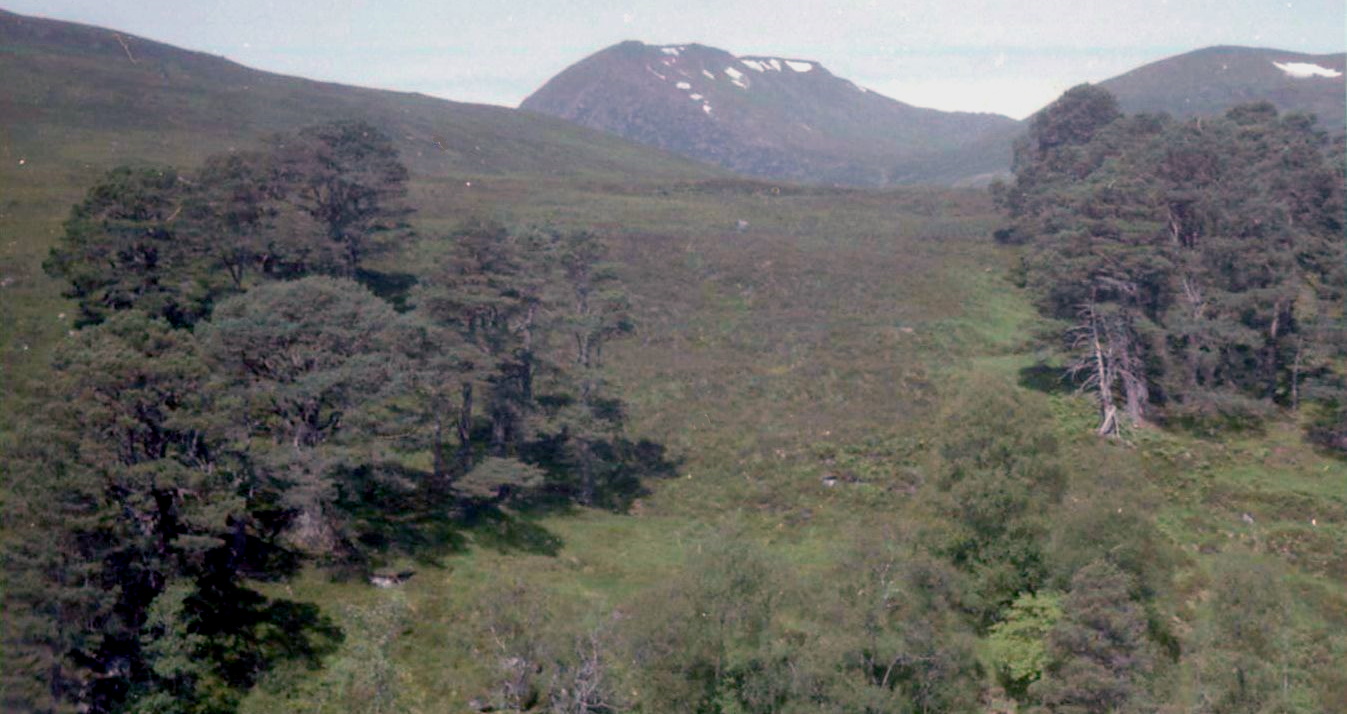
(771, 116)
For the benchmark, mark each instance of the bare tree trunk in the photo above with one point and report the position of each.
(1136, 393)
(437, 449)
(585, 689)
(1270, 351)
(1108, 354)
(465, 430)
(587, 485)
(1108, 418)
(500, 418)
(1295, 373)
(583, 344)
(1193, 294)
(526, 357)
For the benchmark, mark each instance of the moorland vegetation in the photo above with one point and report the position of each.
(709, 446)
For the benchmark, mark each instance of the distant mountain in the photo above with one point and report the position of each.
(772, 116)
(1211, 80)
(83, 98)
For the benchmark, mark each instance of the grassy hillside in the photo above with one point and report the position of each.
(831, 340)
(68, 86)
(802, 373)
(79, 100)
(830, 326)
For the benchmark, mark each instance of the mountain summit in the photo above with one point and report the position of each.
(767, 116)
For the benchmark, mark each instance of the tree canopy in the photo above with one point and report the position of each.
(237, 401)
(1198, 266)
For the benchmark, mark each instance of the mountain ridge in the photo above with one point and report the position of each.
(765, 115)
(775, 117)
(791, 118)
(68, 82)
(1210, 80)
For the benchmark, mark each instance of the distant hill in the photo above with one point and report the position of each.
(772, 117)
(77, 100)
(85, 96)
(1211, 80)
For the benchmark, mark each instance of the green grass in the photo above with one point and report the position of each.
(764, 359)
(820, 341)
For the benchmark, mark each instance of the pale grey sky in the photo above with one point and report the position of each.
(1006, 56)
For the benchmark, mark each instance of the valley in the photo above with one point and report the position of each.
(871, 460)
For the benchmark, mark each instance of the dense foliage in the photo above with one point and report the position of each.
(1198, 266)
(239, 401)
(254, 390)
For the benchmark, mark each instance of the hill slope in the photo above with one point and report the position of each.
(70, 88)
(771, 117)
(78, 100)
(805, 371)
(1211, 80)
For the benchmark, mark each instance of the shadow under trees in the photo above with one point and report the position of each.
(247, 395)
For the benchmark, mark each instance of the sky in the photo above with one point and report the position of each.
(1006, 56)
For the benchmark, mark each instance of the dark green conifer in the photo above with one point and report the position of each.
(1099, 652)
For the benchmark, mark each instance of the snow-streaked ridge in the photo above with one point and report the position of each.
(776, 64)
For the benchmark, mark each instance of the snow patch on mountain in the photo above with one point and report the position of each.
(1305, 70)
(736, 77)
(802, 124)
(775, 64)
